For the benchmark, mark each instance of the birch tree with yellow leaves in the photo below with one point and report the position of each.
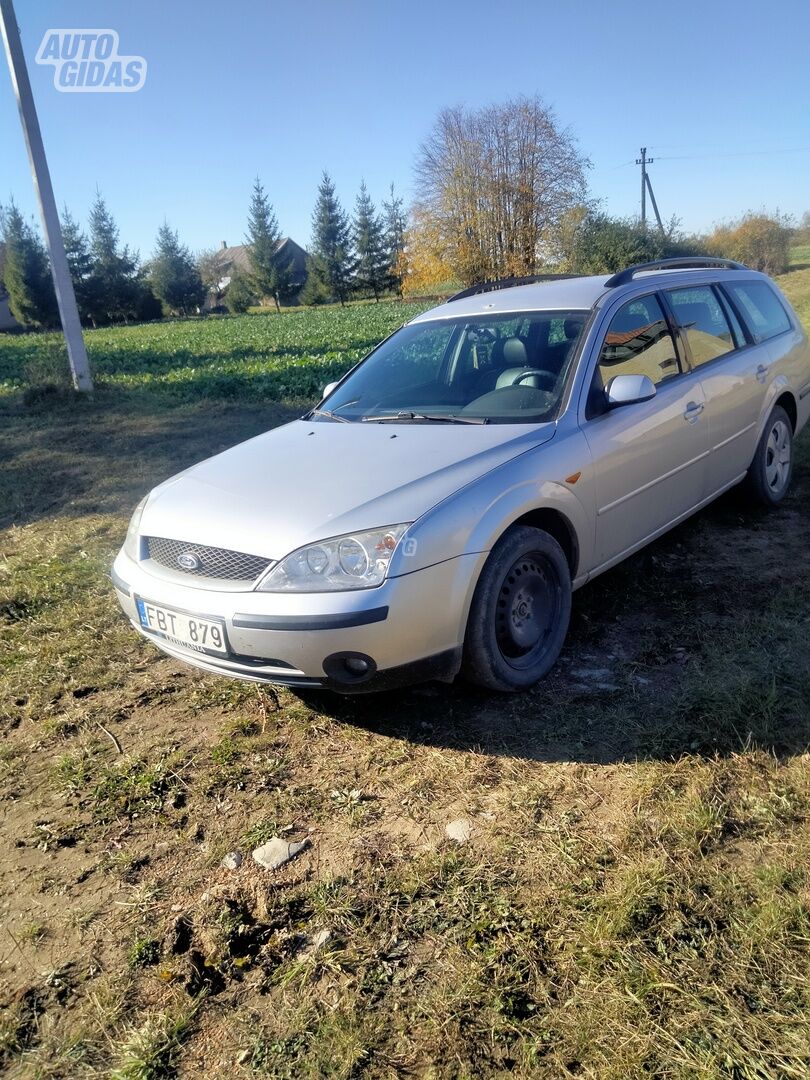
(494, 184)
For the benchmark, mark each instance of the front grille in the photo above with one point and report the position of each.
(212, 562)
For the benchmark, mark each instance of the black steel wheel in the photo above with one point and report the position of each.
(520, 612)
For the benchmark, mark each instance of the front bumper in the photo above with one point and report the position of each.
(410, 628)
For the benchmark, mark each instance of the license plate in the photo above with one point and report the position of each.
(188, 631)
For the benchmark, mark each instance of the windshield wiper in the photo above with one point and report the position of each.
(442, 418)
(327, 413)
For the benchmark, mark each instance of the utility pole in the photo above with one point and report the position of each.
(646, 186)
(654, 203)
(643, 161)
(65, 297)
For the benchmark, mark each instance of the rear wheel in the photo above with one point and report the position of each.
(520, 612)
(772, 468)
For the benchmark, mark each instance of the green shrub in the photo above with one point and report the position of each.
(595, 243)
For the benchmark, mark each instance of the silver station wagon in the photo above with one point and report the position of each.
(433, 514)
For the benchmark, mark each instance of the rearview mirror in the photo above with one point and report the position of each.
(327, 390)
(629, 389)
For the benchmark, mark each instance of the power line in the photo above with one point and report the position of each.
(736, 153)
(706, 157)
(755, 142)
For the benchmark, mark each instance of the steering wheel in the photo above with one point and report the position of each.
(535, 373)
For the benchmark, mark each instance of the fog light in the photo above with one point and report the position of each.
(355, 665)
(349, 667)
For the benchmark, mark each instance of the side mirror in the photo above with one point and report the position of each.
(629, 390)
(327, 390)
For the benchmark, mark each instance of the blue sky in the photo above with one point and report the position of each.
(717, 90)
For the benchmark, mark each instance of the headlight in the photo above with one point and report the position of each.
(131, 544)
(356, 561)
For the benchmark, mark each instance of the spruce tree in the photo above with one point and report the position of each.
(173, 274)
(315, 290)
(79, 262)
(27, 273)
(394, 223)
(271, 269)
(332, 260)
(116, 288)
(262, 237)
(240, 295)
(372, 258)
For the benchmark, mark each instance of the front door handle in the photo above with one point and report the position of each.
(693, 411)
(762, 373)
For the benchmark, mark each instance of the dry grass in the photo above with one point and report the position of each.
(635, 898)
(796, 287)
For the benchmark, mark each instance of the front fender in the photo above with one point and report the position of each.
(512, 505)
(472, 519)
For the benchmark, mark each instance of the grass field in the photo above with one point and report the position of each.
(243, 357)
(634, 900)
(796, 286)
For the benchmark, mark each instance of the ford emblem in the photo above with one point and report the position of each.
(188, 561)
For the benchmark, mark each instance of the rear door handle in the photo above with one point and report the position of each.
(762, 373)
(693, 411)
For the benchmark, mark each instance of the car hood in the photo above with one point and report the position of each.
(305, 481)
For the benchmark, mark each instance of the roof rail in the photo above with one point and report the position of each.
(506, 283)
(694, 263)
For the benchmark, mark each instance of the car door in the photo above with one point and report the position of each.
(761, 309)
(733, 369)
(649, 458)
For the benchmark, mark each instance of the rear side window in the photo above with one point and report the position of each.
(760, 307)
(703, 322)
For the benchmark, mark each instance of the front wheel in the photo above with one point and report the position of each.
(520, 612)
(772, 468)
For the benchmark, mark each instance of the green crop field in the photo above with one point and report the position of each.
(244, 357)
(634, 897)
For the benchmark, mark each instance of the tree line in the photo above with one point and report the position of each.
(360, 255)
(111, 283)
(349, 256)
(499, 191)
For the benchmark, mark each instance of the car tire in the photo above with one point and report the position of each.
(769, 476)
(520, 612)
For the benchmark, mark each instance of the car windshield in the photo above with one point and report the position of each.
(506, 368)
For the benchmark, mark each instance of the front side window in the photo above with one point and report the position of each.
(508, 368)
(638, 342)
(703, 322)
(760, 307)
